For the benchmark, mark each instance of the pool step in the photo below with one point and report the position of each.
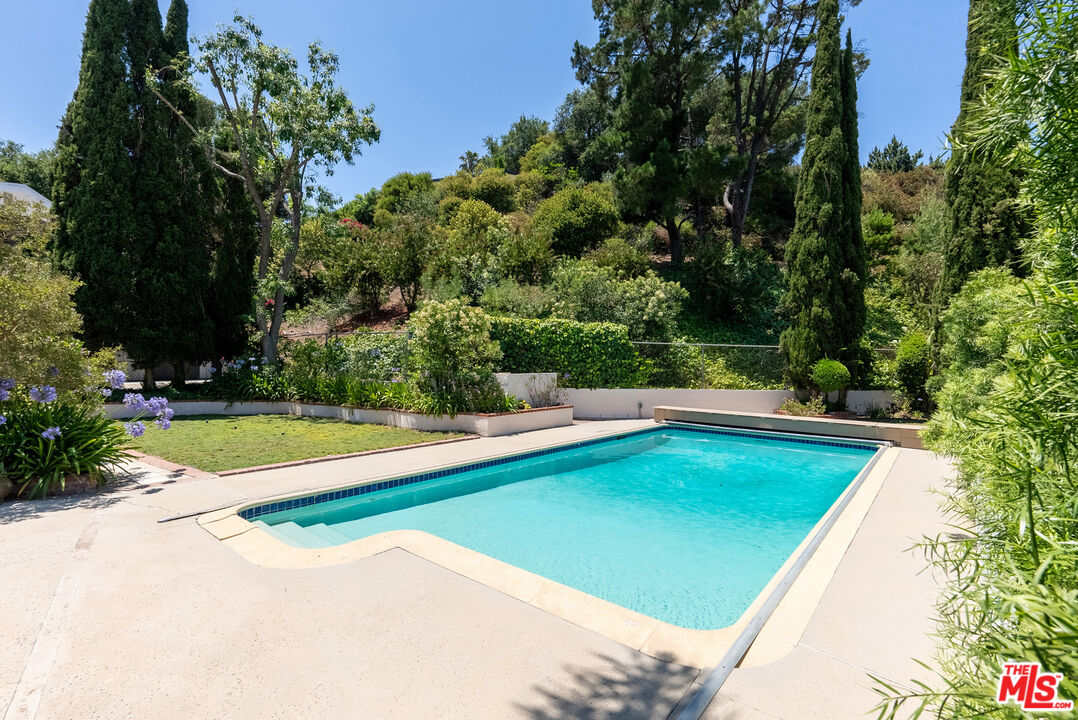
(297, 535)
(328, 534)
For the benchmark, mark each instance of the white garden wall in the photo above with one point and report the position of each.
(476, 423)
(609, 403)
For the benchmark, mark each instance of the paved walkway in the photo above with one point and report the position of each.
(105, 613)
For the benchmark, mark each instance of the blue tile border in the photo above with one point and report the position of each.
(255, 511)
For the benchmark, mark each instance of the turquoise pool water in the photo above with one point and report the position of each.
(680, 525)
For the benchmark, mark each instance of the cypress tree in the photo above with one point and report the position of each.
(172, 224)
(815, 257)
(854, 276)
(987, 223)
(94, 180)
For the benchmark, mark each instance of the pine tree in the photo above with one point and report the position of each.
(987, 222)
(815, 257)
(854, 274)
(94, 180)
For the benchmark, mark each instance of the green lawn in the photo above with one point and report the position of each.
(226, 442)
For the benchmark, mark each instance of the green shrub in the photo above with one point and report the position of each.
(912, 364)
(38, 321)
(736, 284)
(496, 189)
(878, 229)
(811, 407)
(524, 254)
(586, 355)
(510, 297)
(621, 257)
(830, 375)
(468, 254)
(43, 442)
(452, 353)
(577, 219)
(647, 305)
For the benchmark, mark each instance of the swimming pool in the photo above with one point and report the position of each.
(682, 524)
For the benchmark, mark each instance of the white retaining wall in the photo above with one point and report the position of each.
(524, 386)
(475, 423)
(608, 403)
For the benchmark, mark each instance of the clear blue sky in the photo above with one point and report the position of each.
(444, 74)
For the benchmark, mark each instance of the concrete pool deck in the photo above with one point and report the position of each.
(106, 613)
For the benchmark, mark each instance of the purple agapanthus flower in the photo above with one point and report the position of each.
(4, 395)
(51, 433)
(134, 401)
(163, 422)
(105, 392)
(135, 429)
(156, 405)
(43, 394)
(115, 378)
(3, 420)
(7, 384)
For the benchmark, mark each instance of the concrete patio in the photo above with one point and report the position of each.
(108, 614)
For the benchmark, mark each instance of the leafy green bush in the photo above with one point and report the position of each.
(983, 322)
(524, 254)
(586, 355)
(38, 321)
(647, 305)
(735, 284)
(912, 364)
(452, 354)
(830, 375)
(496, 189)
(621, 257)
(509, 297)
(878, 228)
(810, 408)
(468, 254)
(577, 219)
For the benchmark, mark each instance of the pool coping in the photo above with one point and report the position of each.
(697, 648)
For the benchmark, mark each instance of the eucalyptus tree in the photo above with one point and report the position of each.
(285, 123)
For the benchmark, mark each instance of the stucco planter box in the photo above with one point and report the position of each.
(485, 424)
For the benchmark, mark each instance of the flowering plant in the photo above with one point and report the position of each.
(47, 435)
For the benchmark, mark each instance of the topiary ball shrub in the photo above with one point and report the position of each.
(830, 375)
(912, 363)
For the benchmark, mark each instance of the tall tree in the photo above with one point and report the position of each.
(94, 179)
(658, 55)
(765, 63)
(32, 169)
(894, 157)
(815, 301)
(853, 275)
(987, 221)
(507, 151)
(284, 123)
(172, 230)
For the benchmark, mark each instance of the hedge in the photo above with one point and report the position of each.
(585, 355)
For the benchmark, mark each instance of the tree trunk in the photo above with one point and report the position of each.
(179, 374)
(674, 231)
(148, 384)
(736, 200)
